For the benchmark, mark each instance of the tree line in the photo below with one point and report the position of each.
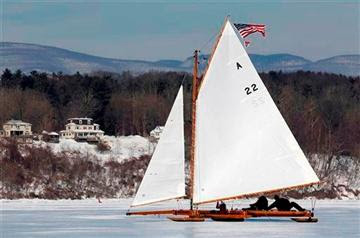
(122, 104)
(321, 109)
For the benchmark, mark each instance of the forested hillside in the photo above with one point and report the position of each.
(322, 110)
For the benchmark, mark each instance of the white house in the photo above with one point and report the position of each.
(82, 129)
(17, 129)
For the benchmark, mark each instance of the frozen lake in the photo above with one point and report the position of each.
(89, 218)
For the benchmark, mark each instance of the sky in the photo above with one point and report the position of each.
(153, 30)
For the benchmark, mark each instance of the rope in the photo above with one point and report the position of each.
(313, 203)
(183, 80)
(207, 42)
(179, 204)
(232, 204)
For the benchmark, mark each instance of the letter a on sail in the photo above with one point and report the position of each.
(165, 176)
(243, 145)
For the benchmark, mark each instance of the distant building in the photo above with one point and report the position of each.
(51, 137)
(17, 129)
(82, 129)
(155, 134)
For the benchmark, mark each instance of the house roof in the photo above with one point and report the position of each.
(17, 122)
(80, 118)
(53, 133)
(70, 124)
(158, 129)
(87, 131)
(82, 131)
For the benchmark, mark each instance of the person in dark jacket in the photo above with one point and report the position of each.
(283, 204)
(222, 206)
(260, 204)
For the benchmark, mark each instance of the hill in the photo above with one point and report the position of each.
(29, 57)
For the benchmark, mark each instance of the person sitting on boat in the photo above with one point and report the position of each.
(260, 204)
(283, 204)
(222, 206)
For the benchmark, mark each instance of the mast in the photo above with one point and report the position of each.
(193, 123)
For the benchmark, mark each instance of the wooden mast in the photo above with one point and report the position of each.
(193, 121)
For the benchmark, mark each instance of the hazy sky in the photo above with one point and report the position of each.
(154, 30)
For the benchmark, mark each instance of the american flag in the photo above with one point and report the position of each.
(247, 29)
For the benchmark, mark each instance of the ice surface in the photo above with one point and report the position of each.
(89, 218)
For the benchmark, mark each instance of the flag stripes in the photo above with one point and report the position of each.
(247, 29)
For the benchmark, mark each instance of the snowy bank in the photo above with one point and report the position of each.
(121, 148)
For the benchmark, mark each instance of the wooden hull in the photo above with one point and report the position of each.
(231, 215)
(275, 213)
(227, 217)
(180, 218)
(184, 212)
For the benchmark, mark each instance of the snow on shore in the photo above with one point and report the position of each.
(123, 147)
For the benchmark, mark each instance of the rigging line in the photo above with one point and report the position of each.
(183, 80)
(178, 205)
(313, 203)
(208, 41)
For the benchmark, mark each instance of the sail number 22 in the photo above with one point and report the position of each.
(251, 89)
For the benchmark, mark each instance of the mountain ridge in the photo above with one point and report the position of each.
(28, 57)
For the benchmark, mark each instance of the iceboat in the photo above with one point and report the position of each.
(241, 146)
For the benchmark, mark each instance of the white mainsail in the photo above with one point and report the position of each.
(165, 176)
(243, 145)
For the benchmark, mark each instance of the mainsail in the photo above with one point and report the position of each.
(165, 176)
(243, 145)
